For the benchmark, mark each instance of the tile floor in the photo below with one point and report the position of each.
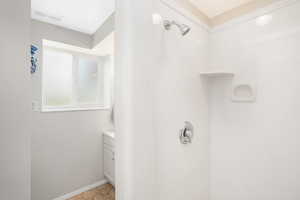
(104, 192)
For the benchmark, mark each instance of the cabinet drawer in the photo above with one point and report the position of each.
(108, 141)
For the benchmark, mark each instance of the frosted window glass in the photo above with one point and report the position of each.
(75, 81)
(57, 75)
(88, 86)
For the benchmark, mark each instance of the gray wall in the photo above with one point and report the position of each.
(14, 100)
(66, 146)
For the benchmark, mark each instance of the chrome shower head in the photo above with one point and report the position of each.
(184, 29)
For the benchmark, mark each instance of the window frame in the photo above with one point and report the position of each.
(75, 106)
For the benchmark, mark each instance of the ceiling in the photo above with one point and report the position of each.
(81, 15)
(213, 8)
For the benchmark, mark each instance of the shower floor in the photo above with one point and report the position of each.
(103, 192)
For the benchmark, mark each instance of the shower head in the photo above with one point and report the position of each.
(184, 29)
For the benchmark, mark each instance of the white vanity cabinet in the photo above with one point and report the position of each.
(109, 156)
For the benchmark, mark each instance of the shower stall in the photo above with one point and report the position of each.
(207, 111)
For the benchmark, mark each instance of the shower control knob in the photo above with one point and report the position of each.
(187, 133)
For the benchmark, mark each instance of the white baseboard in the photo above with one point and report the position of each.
(80, 190)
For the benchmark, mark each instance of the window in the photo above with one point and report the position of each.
(74, 81)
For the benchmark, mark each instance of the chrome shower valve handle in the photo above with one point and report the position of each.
(187, 133)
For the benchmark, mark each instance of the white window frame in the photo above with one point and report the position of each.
(75, 105)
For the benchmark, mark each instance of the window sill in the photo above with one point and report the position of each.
(72, 109)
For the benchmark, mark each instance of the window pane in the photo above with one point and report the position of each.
(57, 75)
(88, 87)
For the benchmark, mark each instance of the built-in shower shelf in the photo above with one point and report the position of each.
(217, 74)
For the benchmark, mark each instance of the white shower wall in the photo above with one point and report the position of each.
(254, 147)
(157, 89)
(241, 151)
(180, 96)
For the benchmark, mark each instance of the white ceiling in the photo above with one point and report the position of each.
(212, 8)
(81, 15)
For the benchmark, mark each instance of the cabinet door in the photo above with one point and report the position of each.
(109, 164)
(112, 167)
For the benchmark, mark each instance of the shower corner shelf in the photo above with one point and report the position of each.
(217, 74)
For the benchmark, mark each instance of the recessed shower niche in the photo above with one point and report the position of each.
(239, 92)
(243, 93)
